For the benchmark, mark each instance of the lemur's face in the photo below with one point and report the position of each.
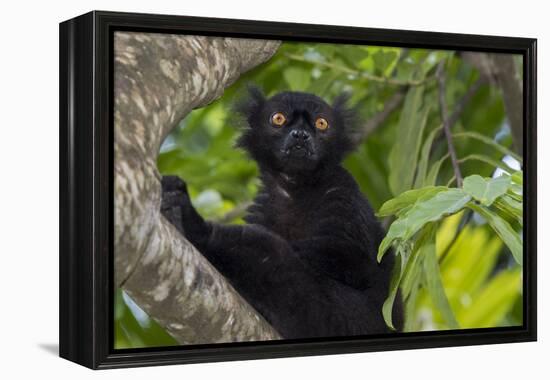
(294, 132)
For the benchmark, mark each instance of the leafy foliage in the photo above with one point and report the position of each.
(459, 250)
(418, 211)
(412, 122)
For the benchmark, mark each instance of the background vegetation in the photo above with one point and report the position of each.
(459, 246)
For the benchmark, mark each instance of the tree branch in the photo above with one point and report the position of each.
(501, 70)
(512, 93)
(440, 74)
(360, 74)
(159, 79)
(461, 105)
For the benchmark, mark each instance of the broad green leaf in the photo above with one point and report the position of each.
(410, 308)
(465, 267)
(486, 190)
(385, 60)
(405, 70)
(517, 177)
(424, 159)
(515, 205)
(515, 193)
(503, 229)
(443, 203)
(431, 179)
(298, 79)
(408, 198)
(487, 160)
(411, 275)
(367, 167)
(322, 85)
(511, 207)
(367, 64)
(387, 307)
(493, 302)
(488, 141)
(404, 152)
(446, 233)
(468, 264)
(351, 55)
(413, 267)
(480, 251)
(433, 277)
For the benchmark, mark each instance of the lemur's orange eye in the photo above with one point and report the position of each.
(278, 119)
(321, 123)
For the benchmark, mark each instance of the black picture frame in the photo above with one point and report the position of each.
(86, 188)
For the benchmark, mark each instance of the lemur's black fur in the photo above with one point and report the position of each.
(306, 259)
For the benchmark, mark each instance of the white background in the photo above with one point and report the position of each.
(29, 188)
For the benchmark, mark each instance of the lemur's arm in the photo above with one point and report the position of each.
(258, 262)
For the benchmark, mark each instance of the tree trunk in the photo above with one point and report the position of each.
(501, 69)
(159, 79)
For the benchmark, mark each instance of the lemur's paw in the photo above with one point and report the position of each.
(175, 200)
(173, 183)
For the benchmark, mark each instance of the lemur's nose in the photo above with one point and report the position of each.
(300, 135)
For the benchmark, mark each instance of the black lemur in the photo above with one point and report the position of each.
(306, 259)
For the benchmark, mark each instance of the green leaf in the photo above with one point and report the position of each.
(517, 177)
(486, 190)
(411, 274)
(469, 263)
(515, 193)
(408, 198)
(511, 207)
(404, 152)
(488, 141)
(351, 55)
(487, 160)
(424, 159)
(493, 302)
(385, 60)
(410, 309)
(431, 179)
(387, 307)
(413, 267)
(298, 79)
(443, 203)
(433, 277)
(503, 229)
(405, 70)
(324, 84)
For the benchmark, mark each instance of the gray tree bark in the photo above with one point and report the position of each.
(159, 79)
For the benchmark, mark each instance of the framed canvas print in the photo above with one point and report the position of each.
(237, 189)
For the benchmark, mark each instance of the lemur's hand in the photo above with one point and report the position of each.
(177, 209)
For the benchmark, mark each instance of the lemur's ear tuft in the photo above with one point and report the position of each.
(348, 116)
(246, 111)
(250, 105)
(256, 94)
(341, 101)
(346, 113)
